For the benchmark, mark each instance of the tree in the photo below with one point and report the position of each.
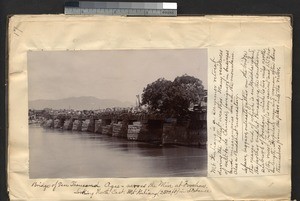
(154, 95)
(173, 98)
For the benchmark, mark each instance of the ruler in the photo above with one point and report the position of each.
(121, 8)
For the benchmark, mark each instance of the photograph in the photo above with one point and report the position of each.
(117, 113)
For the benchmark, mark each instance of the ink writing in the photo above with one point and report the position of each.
(245, 112)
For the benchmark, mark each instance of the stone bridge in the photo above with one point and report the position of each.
(141, 127)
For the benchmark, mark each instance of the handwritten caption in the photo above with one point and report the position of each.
(245, 112)
(152, 189)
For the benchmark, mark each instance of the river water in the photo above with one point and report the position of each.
(67, 154)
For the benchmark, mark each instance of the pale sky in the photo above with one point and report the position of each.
(108, 74)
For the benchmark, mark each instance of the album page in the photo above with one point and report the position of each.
(149, 108)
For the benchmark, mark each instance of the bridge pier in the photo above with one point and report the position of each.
(68, 124)
(146, 130)
(107, 127)
(120, 129)
(88, 125)
(151, 130)
(77, 125)
(191, 132)
(58, 123)
(98, 126)
(134, 130)
(49, 123)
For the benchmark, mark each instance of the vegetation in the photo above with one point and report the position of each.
(173, 98)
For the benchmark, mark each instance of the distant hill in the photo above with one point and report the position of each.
(78, 103)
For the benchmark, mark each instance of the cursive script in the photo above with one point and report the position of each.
(151, 189)
(245, 112)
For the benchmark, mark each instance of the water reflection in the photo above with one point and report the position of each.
(66, 154)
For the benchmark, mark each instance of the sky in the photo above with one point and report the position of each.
(108, 74)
